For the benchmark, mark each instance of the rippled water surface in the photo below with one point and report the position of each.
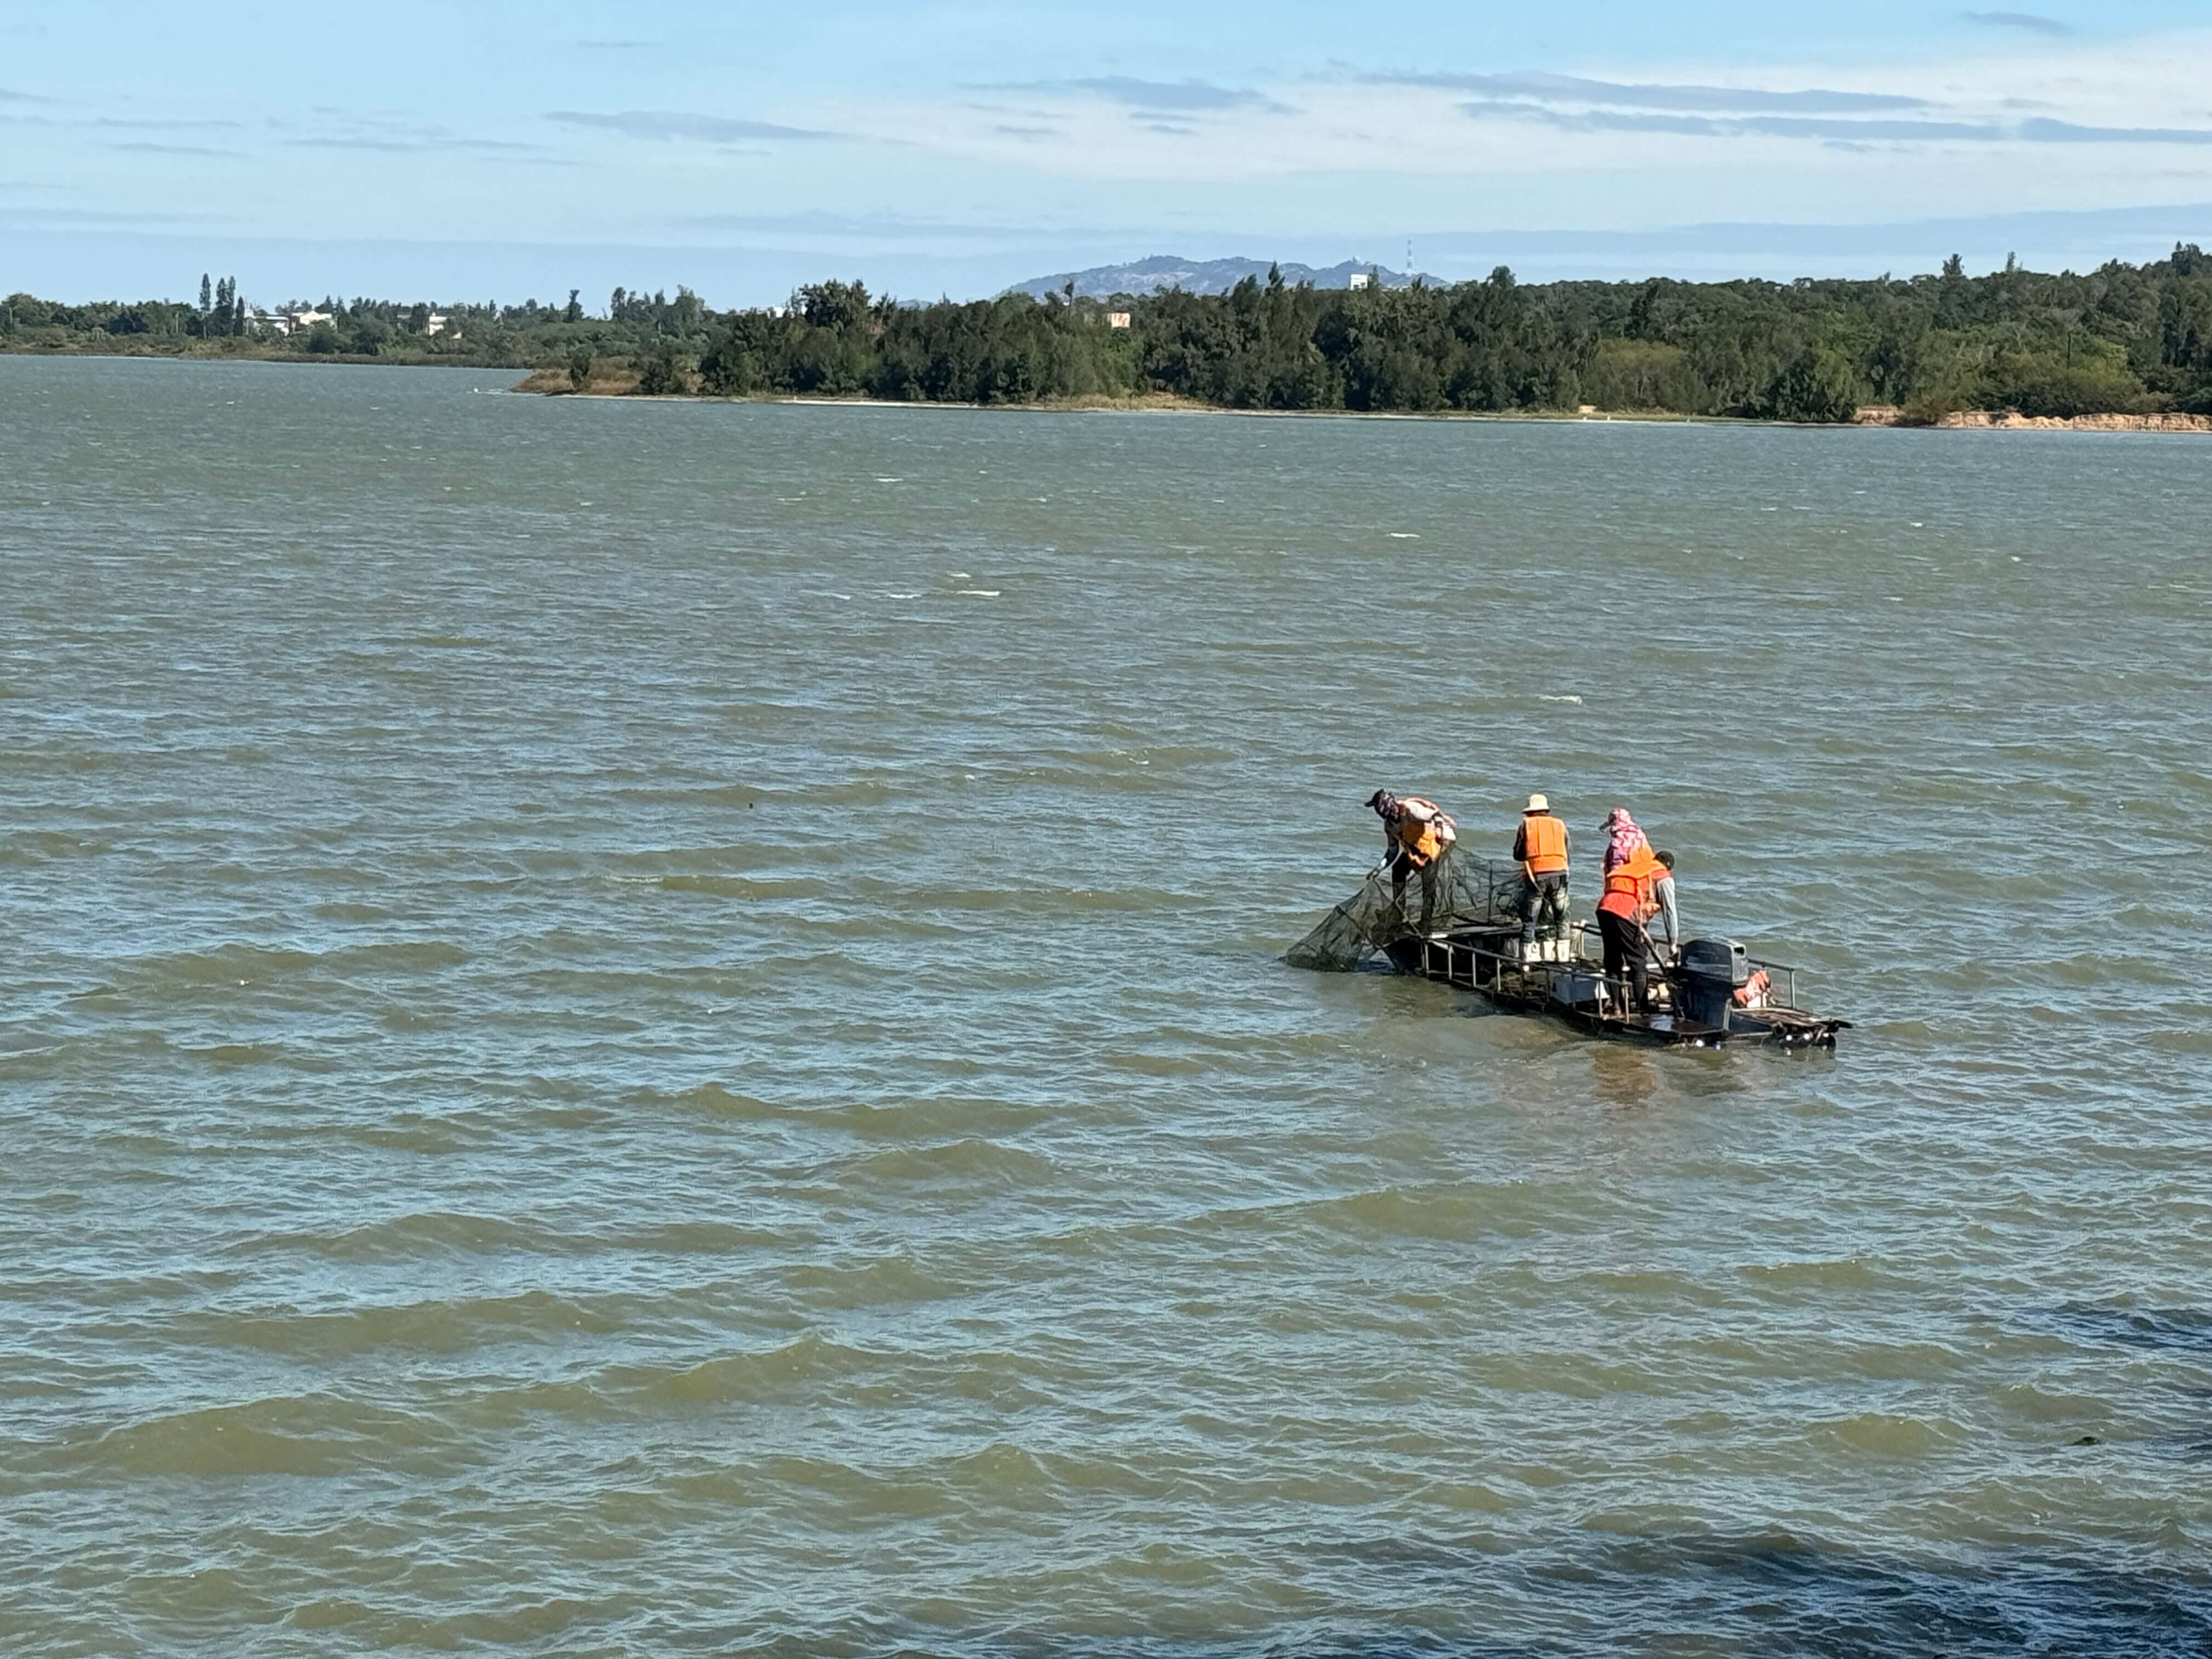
(659, 1029)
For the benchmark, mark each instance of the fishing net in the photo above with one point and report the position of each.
(1468, 892)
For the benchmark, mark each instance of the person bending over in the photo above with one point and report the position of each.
(1416, 833)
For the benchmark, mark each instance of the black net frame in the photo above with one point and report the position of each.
(1460, 891)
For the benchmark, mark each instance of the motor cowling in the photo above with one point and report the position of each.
(1711, 970)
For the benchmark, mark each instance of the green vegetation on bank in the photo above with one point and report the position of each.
(2124, 339)
(459, 334)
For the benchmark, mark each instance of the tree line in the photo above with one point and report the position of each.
(2123, 338)
(484, 334)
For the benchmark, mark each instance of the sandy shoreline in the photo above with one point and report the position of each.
(1984, 420)
(553, 383)
(1961, 421)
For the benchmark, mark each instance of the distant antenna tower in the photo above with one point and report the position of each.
(1409, 258)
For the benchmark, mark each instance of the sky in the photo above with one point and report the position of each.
(502, 151)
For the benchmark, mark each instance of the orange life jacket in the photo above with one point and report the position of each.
(1424, 830)
(1628, 886)
(1544, 840)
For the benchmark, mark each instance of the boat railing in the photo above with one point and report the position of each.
(1783, 989)
(1441, 957)
(1782, 976)
(1477, 893)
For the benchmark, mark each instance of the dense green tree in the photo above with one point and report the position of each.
(663, 371)
(1818, 385)
(732, 366)
(2120, 337)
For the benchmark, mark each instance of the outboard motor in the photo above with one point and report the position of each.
(1711, 970)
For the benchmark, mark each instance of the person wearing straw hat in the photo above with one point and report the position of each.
(1541, 851)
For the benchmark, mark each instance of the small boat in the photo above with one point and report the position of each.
(1717, 995)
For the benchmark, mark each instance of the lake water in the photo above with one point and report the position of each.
(659, 1029)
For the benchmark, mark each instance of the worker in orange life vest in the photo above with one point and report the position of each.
(1540, 850)
(1416, 834)
(1630, 900)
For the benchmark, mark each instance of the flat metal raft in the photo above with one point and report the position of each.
(1691, 1010)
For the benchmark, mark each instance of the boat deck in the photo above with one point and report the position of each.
(1484, 959)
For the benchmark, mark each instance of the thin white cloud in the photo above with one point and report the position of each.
(137, 126)
(147, 147)
(1597, 141)
(1546, 88)
(666, 125)
(1158, 97)
(2029, 22)
(93, 218)
(1832, 129)
(1742, 126)
(2066, 132)
(902, 226)
(1981, 118)
(412, 146)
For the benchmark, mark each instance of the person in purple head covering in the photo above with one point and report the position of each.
(1622, 838)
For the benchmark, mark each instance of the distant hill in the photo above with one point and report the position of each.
(1164, 270)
